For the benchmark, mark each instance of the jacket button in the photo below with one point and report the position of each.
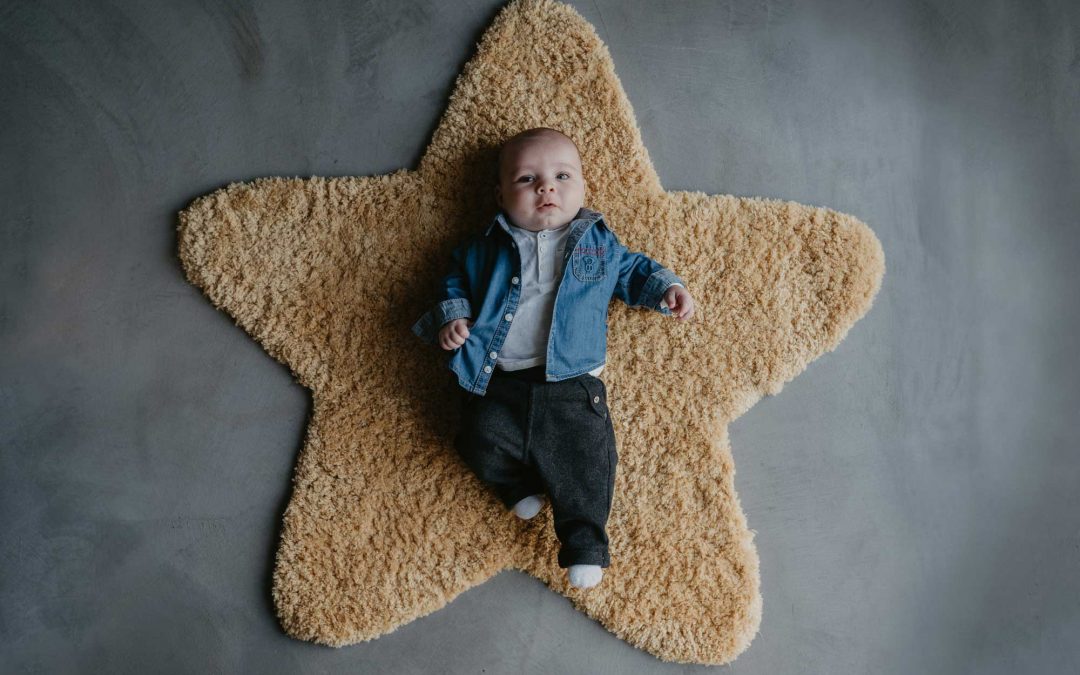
(493, 355)
(508, 316)
(514, 281)
(487, 369)
(595, 399)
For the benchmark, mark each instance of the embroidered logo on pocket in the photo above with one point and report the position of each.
(588, 263)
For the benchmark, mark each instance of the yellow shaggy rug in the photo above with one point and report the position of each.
(385, 523)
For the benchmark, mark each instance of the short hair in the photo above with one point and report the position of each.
(522, 136)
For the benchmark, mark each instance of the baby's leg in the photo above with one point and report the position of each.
(491, 443)
(573, 449)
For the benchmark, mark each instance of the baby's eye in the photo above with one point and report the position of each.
(524, 178)
(564, 174)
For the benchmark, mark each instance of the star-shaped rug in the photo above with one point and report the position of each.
(385, 523)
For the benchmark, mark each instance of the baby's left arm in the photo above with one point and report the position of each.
(643, 282)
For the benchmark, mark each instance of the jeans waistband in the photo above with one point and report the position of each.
(533, 374)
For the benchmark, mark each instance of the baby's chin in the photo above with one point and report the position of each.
(551, 219)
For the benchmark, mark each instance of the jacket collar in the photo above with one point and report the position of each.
(583, 215)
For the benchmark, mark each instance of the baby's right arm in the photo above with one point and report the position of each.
(442, 324)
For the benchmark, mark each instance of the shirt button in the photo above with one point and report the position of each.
(595, 399)
(508, 316)
(492, 354)
(487, 369)
(542, 234)
(514, 281)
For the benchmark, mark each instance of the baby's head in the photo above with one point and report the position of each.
(536, 167)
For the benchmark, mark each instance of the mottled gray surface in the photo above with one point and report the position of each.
(916, 493)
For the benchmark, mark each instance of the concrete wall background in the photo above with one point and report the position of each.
(915, 492)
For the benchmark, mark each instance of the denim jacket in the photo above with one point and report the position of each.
(483, 284)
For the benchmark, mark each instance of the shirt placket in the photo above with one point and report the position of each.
(504, 327)
(542, 265)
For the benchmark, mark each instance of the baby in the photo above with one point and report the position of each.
(529, 340)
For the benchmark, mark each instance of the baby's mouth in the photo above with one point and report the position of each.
(549, 205)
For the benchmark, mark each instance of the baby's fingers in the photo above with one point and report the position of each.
(447, 338)
(687, 311)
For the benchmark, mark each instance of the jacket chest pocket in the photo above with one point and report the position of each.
(588, 263)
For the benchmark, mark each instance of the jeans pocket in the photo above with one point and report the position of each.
(597, 396)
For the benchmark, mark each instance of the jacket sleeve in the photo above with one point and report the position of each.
(642, 281)
(454, 300)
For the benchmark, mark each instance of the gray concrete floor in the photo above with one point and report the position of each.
(915, 492)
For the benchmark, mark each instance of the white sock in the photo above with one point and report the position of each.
(529, 507)
(585, 576)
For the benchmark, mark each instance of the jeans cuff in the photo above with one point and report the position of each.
(584, 556)
(510, 500)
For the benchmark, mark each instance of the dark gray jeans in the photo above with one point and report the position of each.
(525, 436)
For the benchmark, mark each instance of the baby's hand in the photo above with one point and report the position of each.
(453, 334)
(679, 301)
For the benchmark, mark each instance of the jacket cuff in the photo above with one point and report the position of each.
(652, 293)
(428, 325)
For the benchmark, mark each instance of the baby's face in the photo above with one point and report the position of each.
(545, 170)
